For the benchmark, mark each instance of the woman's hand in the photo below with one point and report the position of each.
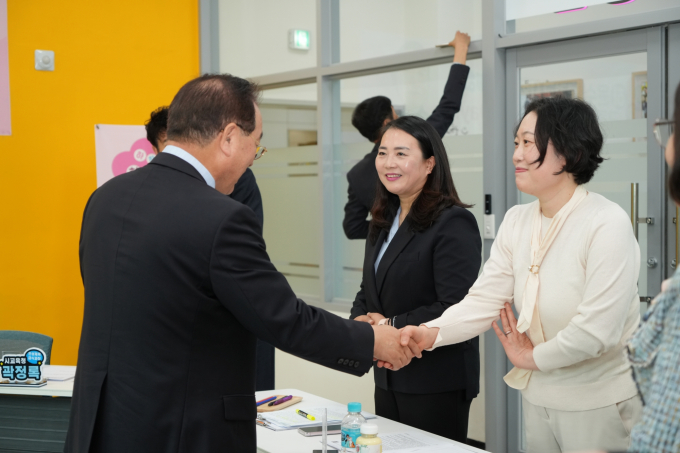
(376, 317)
(518, 346)
(364, 318)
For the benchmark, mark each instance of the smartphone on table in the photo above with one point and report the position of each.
(309, 431)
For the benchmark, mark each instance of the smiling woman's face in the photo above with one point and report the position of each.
(400, 163)
(529, 177)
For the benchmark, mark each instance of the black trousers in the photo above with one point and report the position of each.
(445, 414)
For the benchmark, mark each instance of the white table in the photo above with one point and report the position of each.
(269, 441)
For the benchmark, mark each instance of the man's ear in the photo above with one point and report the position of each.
(226, 138)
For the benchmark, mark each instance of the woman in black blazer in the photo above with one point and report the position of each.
(422, 255)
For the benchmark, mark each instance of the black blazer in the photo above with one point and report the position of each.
(363, 177)
(419, 276)
(178, 285)
(247, 192)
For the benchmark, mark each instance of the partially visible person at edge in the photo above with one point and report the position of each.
(422, 255)
(372, 114)
(570, 263)
(654, 350)
(245, 192)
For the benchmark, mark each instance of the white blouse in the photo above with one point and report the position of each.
(587, 299)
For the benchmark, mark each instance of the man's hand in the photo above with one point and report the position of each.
(376, 317)
(364, 318)
(387, 348)
(460, 45)
(518, 346)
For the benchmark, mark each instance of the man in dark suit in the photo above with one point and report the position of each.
(371, 115)
(178, 285)
(245, 191)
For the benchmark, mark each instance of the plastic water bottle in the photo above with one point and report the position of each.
(351, 428)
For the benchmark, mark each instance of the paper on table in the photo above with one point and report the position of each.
(288, 417)
(59, 372)
(410, 443)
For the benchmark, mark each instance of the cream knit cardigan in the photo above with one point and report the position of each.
(588, 302)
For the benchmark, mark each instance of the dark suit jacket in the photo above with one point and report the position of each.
(363, 177)
(178, 285)
(247, 192)
(419, 276)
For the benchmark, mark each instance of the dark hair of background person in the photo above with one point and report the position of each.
(156, 125)
(674, 177)
(368, 117)
(572, 127)
(438, 193)
(207, 104)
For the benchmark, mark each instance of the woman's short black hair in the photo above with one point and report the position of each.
(674, 177)
(369, 115)
(438, 193)
(571, 126)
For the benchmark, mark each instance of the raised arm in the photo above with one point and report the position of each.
(442, 116)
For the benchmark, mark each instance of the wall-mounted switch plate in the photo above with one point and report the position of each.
(44, 60)
(489, 226)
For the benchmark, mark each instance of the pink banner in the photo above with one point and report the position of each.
(5, 123)
(120, 149)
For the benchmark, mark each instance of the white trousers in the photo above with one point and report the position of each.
(607, 428)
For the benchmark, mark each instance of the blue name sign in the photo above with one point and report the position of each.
(21, 368)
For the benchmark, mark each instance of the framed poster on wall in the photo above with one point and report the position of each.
(639, 95)
(569, 89)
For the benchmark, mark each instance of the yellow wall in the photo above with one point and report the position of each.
(115, 61)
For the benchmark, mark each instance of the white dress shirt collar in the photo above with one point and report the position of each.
(191, 160)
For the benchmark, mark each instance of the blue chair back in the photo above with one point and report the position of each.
(16, 342)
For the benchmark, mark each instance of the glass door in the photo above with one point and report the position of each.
(621, 76)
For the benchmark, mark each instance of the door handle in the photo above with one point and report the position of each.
(674, 263)
(635, 208)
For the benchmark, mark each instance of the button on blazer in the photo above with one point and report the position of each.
(419, 276)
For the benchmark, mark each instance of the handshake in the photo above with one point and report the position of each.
(394, 349)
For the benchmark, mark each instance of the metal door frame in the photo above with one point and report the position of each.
(650, 40)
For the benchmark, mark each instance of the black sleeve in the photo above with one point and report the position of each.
(259, 297)
(359, 307)
(355, 223)
(457, 259)
(449, 105)
(247, 193)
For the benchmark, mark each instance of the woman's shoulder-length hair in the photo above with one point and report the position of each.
(674, 177)
(438, 193)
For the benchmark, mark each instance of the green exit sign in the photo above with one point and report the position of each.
(298, 39)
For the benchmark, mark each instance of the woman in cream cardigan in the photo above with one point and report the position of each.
(570, 263)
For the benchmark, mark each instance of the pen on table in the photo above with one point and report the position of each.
(266, 400)
(282, 400)
(305, 414)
